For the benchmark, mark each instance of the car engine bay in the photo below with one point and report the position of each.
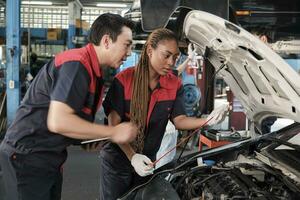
(264, 168)
(245, 178)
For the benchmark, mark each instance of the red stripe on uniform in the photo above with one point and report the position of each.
(126, 79)
(100, 97)
(82, 55)
(169, 85)
(86, 110)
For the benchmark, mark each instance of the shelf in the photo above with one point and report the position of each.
(49, 42)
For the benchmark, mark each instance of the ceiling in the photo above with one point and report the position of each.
(94, 2)
(280, 16)
(85, 3)
(275, 18)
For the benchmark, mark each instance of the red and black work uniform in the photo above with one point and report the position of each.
(29, 150)
(166, 102)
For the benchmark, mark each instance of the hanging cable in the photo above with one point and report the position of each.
(182, 141)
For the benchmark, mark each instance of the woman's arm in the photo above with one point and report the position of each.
(216, 116)
(141, 163)
(183, 122)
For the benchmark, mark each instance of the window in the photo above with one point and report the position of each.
(41, 17)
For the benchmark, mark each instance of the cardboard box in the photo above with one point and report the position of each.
(2, 40)
(82, 24)
(54, 34)
(51, 35)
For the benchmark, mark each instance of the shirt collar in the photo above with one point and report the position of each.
(165, 81)
(95, 62)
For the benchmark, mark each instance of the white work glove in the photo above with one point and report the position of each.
(218, 114)
(142, 164)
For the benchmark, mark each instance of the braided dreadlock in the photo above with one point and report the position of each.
(140, 94)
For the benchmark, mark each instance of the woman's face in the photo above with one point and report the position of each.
(163, 58)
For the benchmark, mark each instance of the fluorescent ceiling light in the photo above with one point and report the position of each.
(112, 5)
(37, 2)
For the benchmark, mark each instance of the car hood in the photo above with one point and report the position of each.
(263, 82)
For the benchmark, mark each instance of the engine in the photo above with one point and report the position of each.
(241, 181)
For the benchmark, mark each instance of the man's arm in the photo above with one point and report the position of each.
(190, 57)
(113, 120)
(63, 120)
(182, 66)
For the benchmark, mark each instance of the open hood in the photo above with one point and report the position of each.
(264, 83)
(157, 13)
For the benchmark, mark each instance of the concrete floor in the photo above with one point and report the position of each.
(81, 175)
(81, 171)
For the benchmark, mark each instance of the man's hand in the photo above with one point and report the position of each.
(218, 114)
(142, 164)
(124, 133)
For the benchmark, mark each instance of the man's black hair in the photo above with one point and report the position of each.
(110, 24)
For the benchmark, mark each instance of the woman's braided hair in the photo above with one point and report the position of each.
(141, 94)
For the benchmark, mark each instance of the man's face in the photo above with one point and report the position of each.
(121, 48)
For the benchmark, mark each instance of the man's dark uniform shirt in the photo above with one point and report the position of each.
(73, 78)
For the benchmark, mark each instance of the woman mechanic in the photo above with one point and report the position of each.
(148, 95)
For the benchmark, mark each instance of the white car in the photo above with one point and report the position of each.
(265, 166)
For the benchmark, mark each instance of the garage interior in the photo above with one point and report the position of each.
(42, 29)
